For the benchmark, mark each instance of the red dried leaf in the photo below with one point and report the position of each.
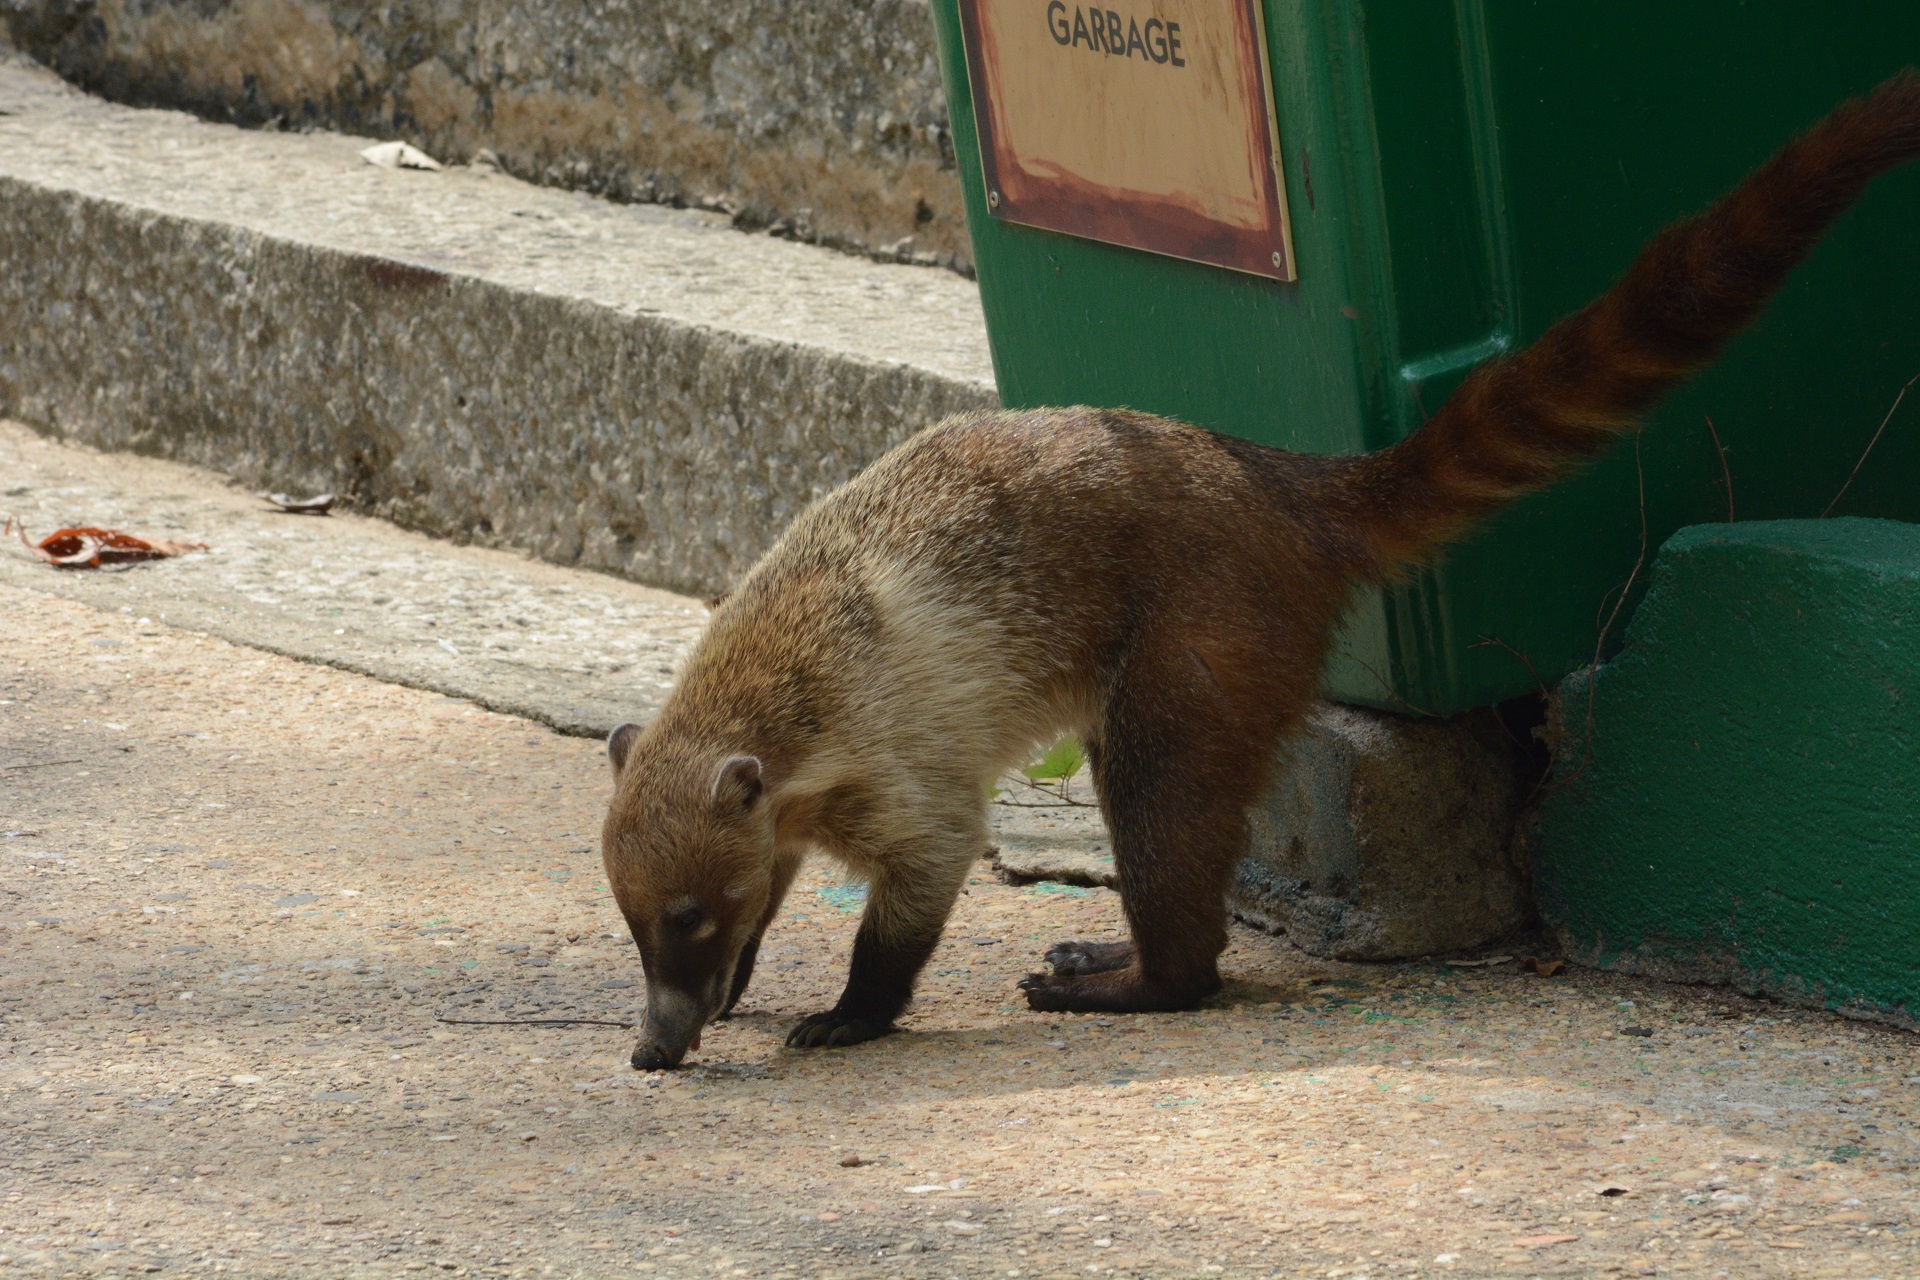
(86, 547)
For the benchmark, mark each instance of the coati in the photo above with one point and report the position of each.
(917, 631)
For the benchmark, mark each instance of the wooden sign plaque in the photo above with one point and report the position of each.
(1148, 124)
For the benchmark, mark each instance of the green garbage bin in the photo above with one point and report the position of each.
(1457, 175)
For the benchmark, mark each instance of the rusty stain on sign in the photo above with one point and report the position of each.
(1149, 125)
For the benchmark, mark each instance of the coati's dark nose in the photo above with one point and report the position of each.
(653, 1053)
(648, 1056)
(672, 1026)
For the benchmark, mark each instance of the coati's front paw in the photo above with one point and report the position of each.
(834, 1029)
(1089, 957)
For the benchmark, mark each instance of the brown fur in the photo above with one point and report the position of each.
(1165, 593)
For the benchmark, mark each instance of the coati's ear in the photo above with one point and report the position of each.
(619, 742)
(737, 785)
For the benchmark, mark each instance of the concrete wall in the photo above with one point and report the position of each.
(821, 119)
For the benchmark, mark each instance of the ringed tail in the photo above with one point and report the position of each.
(1521, 422)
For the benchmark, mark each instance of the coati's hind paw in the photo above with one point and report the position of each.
(833, 1030)
(1111, 991)
(1089, 957)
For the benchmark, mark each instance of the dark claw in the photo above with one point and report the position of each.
(834, 1030)
(1049, 993)
(1089, 957)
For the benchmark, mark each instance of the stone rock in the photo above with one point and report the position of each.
(1384, 837)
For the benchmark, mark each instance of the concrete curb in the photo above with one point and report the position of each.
(577, 651)
(489, 361)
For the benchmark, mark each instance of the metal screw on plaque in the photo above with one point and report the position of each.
(1277, 259)
(993, 199)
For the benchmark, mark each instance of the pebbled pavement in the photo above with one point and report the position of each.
(236, 889)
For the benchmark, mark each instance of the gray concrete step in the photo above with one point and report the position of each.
(624, 387)
(822, 119)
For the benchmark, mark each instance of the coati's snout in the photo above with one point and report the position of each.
(689, 960)
(673, 1024)
(689, 855)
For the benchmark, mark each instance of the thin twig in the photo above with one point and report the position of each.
(534, 1022)
(1726, 474)
(1540, 786)
(40, 764)
(1393, 693)
(1496, 642)
(1600, 643)
(1876, 440)
(1064, 799)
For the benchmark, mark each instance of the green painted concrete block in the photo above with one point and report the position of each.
(1750, 809)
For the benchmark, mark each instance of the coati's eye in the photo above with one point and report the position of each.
(689, 920)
